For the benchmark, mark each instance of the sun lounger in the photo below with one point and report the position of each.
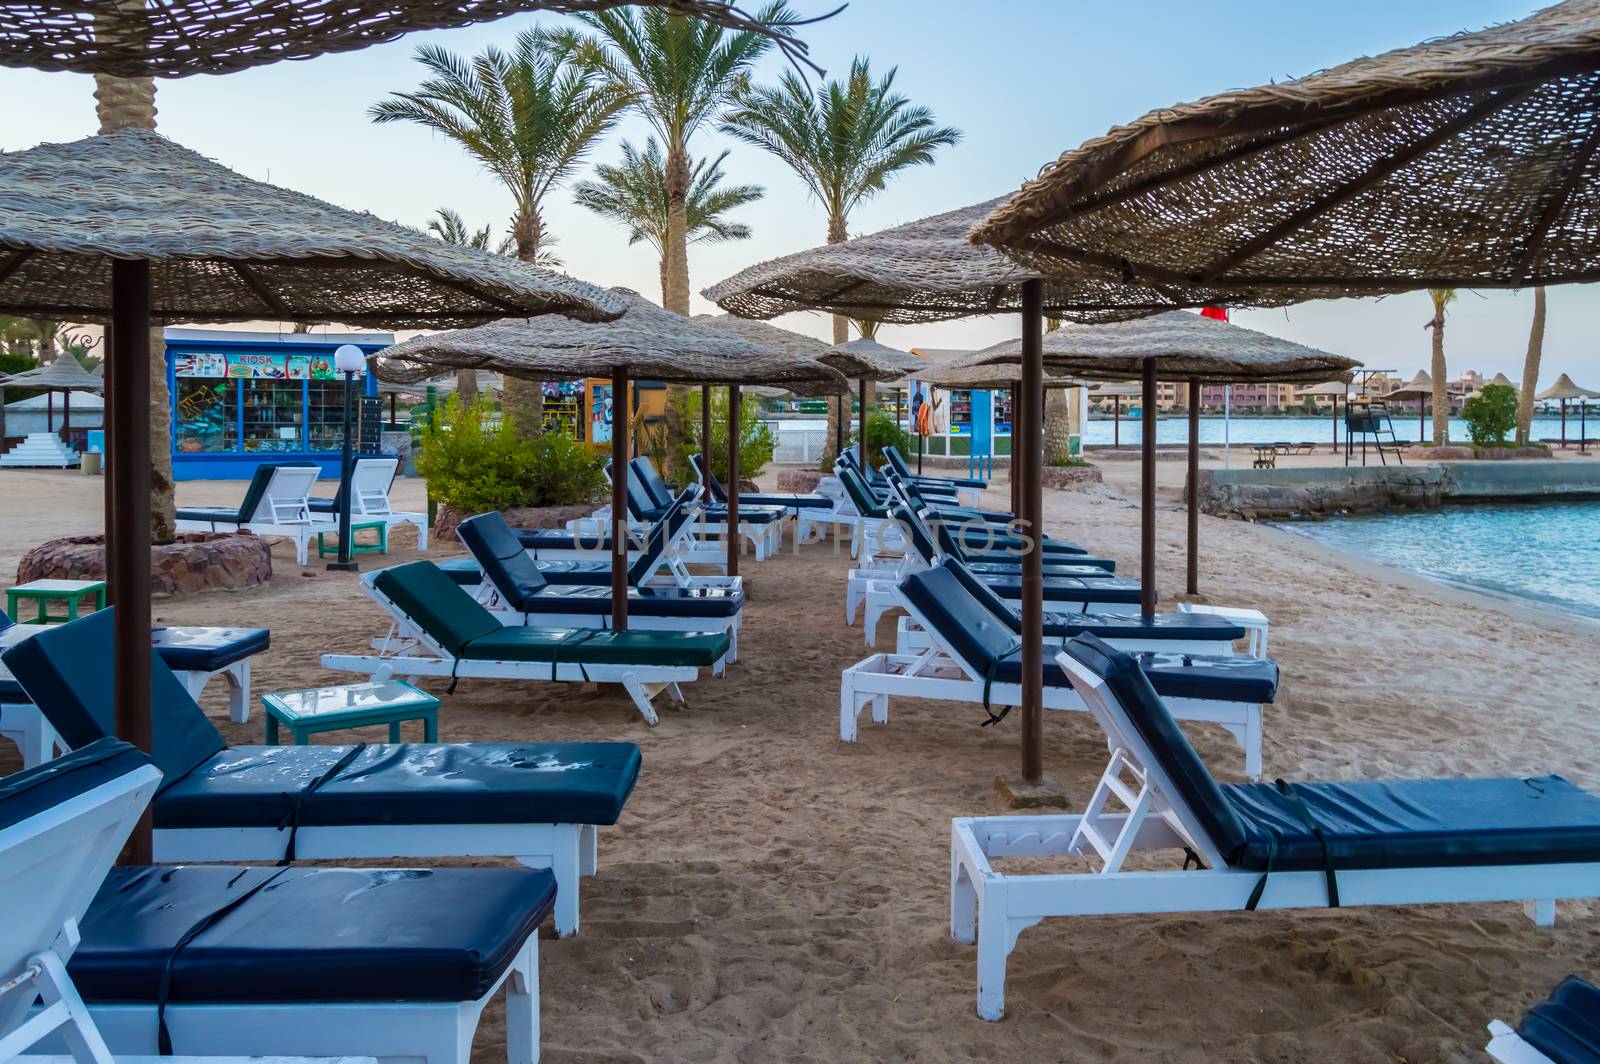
(1564, 1028)
(275, 504)
(540, 803)
(229, 963)
(437, 629)
(975, 657)
(760, 526)
(810, 510)
(370, 484)
(659, 562)
(519, 591)
(1365, 842)
(897, 461)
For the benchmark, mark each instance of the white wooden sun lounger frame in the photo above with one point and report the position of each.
(369, 500)
(75, 844)
(938, 673)
(407, 651)
(284, 510)
(911, 638)
(1506, 1046)
(992, 907)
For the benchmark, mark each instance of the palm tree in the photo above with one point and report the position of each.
(529, 117)
(130, 103)
(1530, 369)
(1057, 417)
(449, 226)
(1442, 298)
(633, 193)
(844, 142)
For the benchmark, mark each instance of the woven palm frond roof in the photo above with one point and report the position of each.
(871, 360)
(779, 339)
(62, 373)
(1564, 388)
(1465, 161)
(923, 271)
(991, 377)
(224, 247)
(651, 343)
(1419, 386)
(1185, 346)
(173, 38)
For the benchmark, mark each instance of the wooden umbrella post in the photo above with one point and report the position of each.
(619, 498)
(1336, 424)
(733, 479)
(1194, 487)
(705, 434)
(1116, 422)
(130, 513)
(861, 421)
(1147, 495)
(1029, 415)
(1018, 469)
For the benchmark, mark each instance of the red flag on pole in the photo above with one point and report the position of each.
(1217, 313)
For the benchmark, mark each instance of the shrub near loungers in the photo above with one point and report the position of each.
(473, 466)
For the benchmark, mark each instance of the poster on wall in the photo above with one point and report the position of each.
(600, 414)
(254, 366)
(200, 364)
(930, 414)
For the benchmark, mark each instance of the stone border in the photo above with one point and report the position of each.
(196, 561)
(447, 518)
(1070, 478)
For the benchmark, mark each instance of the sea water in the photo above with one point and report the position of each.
(1545, 552)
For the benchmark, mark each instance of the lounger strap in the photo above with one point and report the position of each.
(297, 801)
(988, 682)
(572, 639)
(163, 1036)
(1261, 884)
(1288, 791)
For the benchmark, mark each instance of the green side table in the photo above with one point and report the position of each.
(44, 592)
(354, 705)
(378, 546)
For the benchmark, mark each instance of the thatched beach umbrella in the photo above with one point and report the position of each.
(175, 38)
(1419, 388)
(1116, 391)
(131, 229)
(1565, 390)
(1334, 390)
(64, 374)
(1174, 345)
(1463, 162)
(646, 342)
(771, 336)
(867, 361)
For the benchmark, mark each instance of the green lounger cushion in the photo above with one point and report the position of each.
(437, 604)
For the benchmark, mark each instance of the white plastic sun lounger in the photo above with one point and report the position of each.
(1564, 1028)
(1410, 842)
(370, 484)
(970, 653)
(63, 825)
(277, 503)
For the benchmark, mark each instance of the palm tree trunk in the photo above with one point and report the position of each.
(1057, 426)
(838, 405)
(522, 400)
(130, 103)
(1530, 369)
(675, 295)
(1441, 395)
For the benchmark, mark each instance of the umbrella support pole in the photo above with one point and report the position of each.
(619, 499)
(734, 433)
(1147, 494)
(130, 514)
(705, 430)
(1193, 586)
(1028, 416)
(861, 434)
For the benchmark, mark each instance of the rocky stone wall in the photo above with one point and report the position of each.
(197, 561)
(1070, 478)
(446, 520)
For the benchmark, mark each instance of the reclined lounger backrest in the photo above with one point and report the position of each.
(917, 532)
(959, 621)
(982, 593)
(718, 494)
(1195, 788)
(1566, 1025)
(641, 507)
(501, 556)
(861, 496)
(67, 672)
(290, 482)
(656, 488)
(893, 456)
(436, 604)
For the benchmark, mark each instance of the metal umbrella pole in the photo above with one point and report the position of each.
(348, 360)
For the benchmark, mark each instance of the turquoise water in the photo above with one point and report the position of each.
(1545, 552)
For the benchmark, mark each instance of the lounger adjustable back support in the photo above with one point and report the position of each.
(371, 483)
(920, 538)
(861, 496)
(501, 556)
(437, 604)
(654, 486)
(283, 499)
(64, 670)
(714, 488)
(1565, 1027)
(982, 593)
(61, 826)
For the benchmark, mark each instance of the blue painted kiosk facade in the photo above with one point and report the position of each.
(243, 398)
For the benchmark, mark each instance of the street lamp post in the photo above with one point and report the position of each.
(348, 360)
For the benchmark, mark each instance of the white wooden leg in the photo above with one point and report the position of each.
(880, 709)
(963, 901)
(566, 865)
(522, 1006)
(422, 536)
(237, 676)
(1252, 744)
(25, 725)
(993, 946)
(641, 698)
(1542, 911)
(60, 999)
(588, 849)
(849, 707)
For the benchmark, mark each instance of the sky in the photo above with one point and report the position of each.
(1023, 79)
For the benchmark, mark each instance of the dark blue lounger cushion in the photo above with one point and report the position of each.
(990, 646)
(1566, 1025)
(464, 571)
(207, 784)
(1433, 823)
(207, 649)
(1111, 589)
(793, 501)
(35, 790)
(311, 935)
(711, 602)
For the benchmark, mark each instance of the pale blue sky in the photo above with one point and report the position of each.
(1025, 79)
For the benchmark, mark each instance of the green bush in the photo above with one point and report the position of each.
(472, 467)
(757, 443)
(1491, 414)
(884, 431)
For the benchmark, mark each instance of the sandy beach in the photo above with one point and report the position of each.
(773, 894)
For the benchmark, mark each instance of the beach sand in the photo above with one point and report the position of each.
(773, 894)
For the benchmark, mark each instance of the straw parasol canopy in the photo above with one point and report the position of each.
(1335, 388)
(64, 373)
(651, 343)
(1184, 346)
(778, 339)
(1421, 387)
(1501, 378)
(1116, 390)
(224, 247)
(922, 271)
(1465, 161)
(1565, 389)
(174, 38)
(866, 359)
(986, 377)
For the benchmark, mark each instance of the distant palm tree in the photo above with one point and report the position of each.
(1530, 369)
(529, 117)
(844, 142)
(1057, 417)
(1442, 298)
(449, 226)
(633, 193)
(678, 73)
(865, 328)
